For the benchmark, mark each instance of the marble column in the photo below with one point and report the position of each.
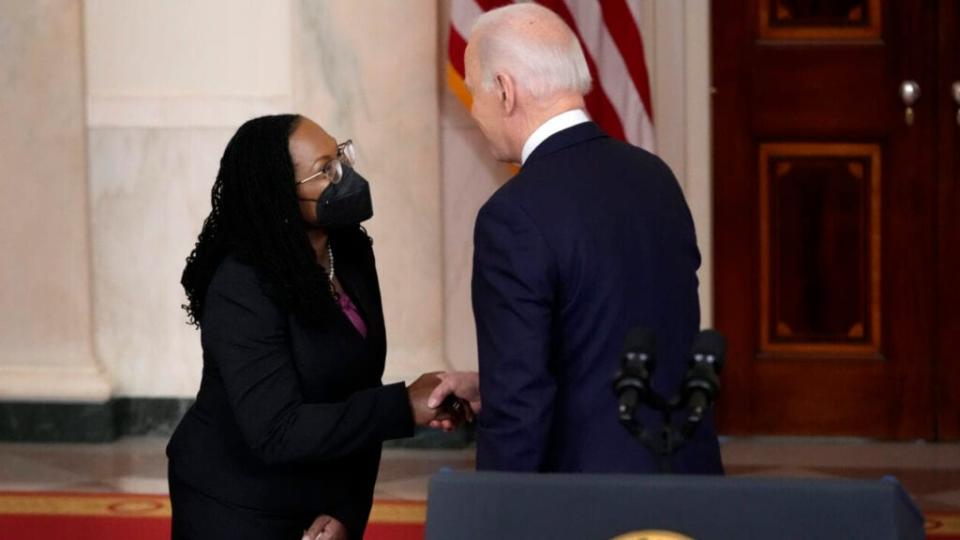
(363, 70)
(46, 350)
(166, 90)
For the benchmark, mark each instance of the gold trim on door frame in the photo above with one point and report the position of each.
(872, 31)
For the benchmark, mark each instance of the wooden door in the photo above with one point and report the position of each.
(825, 216)
(948, 256)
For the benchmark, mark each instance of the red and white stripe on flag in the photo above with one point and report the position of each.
(620, 99)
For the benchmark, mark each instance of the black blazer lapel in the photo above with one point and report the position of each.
(360, 284)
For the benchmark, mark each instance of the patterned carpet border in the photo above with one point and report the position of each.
(941, 525)
(158, 506)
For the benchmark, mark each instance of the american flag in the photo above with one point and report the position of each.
(620, 99)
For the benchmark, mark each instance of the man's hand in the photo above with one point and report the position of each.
(465, 385)
(325, 528)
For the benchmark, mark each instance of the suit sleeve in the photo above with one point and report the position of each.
(352, 506)
(513, 292)
(245, 333)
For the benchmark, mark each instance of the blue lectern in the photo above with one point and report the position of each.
(466, 506)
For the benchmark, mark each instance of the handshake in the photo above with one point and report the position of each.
(439, 400)
(445, 400)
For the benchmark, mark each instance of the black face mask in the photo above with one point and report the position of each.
(345, 203)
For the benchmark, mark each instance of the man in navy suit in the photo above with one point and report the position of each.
(590, 238)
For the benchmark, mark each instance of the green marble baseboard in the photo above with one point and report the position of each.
(121, 417)
(89, 422)
(433, 439)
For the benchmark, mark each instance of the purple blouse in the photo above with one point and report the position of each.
(350, 310)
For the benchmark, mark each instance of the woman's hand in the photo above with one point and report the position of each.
(325, 528)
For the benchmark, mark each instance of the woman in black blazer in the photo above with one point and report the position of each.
(289, 421)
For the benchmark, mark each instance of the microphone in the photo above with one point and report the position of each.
(632, 384)
(702, 382)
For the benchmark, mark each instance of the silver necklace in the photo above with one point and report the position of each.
(331, 274)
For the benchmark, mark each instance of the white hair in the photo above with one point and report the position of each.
(542, 66)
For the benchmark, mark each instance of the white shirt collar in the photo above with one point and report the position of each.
(554, 125)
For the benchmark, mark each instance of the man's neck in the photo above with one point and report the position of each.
(539, 116)
(549, 128)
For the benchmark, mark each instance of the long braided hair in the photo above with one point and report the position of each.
(255, 216)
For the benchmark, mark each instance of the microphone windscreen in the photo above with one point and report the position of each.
(711, 342)
(639, 340)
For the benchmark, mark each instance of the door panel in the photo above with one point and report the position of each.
(947, 378)
(810, 90)
(820, 249)
(806, 19)
(824, 217)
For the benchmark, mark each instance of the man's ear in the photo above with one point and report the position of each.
(506, 93)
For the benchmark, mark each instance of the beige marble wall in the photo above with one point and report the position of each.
(470, 176)
(364, 70)
(676, 43)
(105, 203)
(149, 192)
(367, 71)
(45, 300)
(168, 84)
(677, 37)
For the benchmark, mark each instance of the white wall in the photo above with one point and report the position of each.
(46, 350)
(116, 112)
(365, 71)
(682, 108)
(169, 82)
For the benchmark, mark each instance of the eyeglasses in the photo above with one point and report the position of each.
(333, 169)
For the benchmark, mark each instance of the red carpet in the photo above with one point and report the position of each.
(75, 516)
(82, 516)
